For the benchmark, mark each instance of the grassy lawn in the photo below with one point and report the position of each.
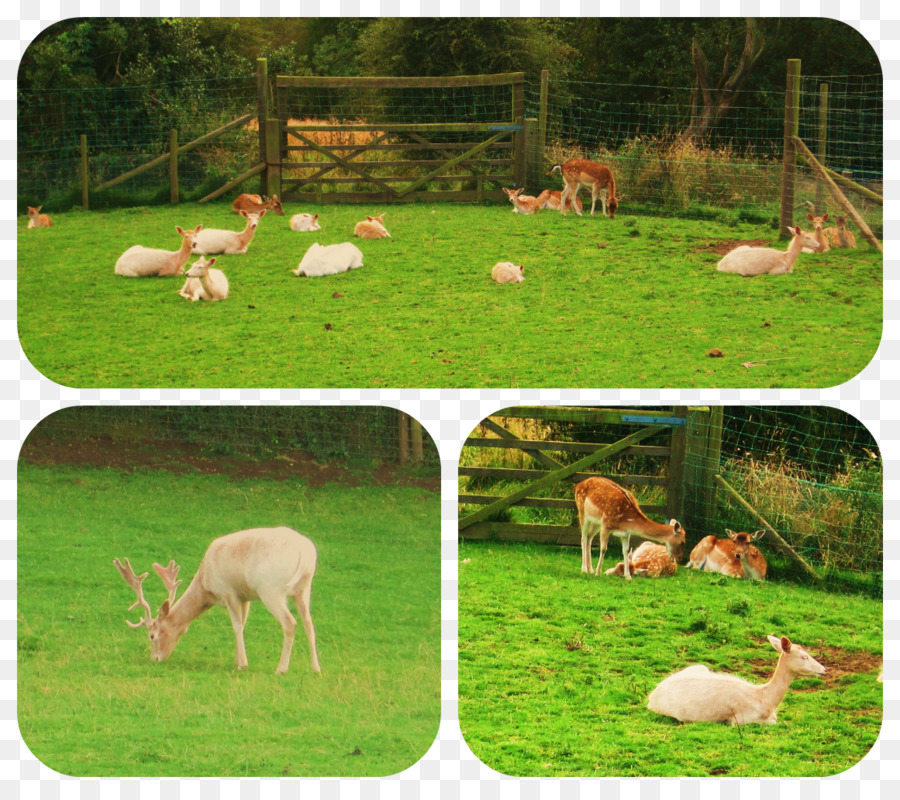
(555, 668)
(636, 302)
(91, 702)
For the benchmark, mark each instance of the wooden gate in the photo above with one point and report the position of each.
(338, 161)
(695, 432)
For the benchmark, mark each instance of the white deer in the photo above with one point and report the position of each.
(305, 222)
(695, 694)
(215, 240)
(606, 507)
(204, 283)
(507, 272)
(372, 228)
(523, 203)
(141, 262)
(330, 259)
(648, 561)
(747, 261)
(597, 177)
(267, 564)
(736, 556)
(254, 203)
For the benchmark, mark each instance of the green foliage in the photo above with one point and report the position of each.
(373, 711)
(555, 668)
(425, 297)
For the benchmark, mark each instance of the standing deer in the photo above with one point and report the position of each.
(267, 564)
(597, 177)
(695, 694)
(735, 556)
(606, 507)
(254, 203)
(648, 561)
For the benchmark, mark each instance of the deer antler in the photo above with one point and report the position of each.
(168, 575)
(135, 581)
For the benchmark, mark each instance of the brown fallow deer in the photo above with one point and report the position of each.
(648, 561)
(254, 203)
(38, 220)
(523, 203)
(735, 556)
(267, 564)
(839, 236)
(552, 199)
(596, 177)
(605, 507)
(820, 233)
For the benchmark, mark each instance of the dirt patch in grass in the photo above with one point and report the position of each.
(183, 458)
(722, 246)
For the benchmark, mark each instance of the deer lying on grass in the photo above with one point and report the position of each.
(305, 222)
(552, 199)
(606, 507)
(204, 283)
(329, 260)
(820, 233)
(735, 556)
(36, 219)
(648, 561)
(696, 694)
(523, 203)
(216, 241)
(747, 261)
(507, 272)
(254, 203)
(267, 564)
(372, 228)
(839, 236)
(597, 177)
(141, 262)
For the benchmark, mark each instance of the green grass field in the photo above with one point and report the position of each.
(633, 302)
(91, 702)
(555, 668)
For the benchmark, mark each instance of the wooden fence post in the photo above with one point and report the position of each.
(823, 142)
(677, 451)
(173, 166)
(542, 118)
(415, 440)
(85, 198)
(703, 451)
(403, 431)
(273, 157)
(791, 129)
(262, 113)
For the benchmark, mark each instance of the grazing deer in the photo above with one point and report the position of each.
(648, 561)
(523, 203)
(215, 240)
(735, 556)
(36, 219)
(821, 234)
(552, 199)
(839, 236)
(204, 283)
(748, 261)
(141, 262)
(606, 507)
(267, 564)
(372, 228)
(597, 177)
(507, 272)
(254, 203)
(695, 694)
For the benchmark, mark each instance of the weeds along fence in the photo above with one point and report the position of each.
(809, 476)
(360, 434)
(735, 166)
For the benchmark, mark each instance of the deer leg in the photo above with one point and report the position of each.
(604, 541)
(279, 608)
(237, 610)
(302, 600)
(625, 553)
(574, 200)
(587, 536)
(593, 204)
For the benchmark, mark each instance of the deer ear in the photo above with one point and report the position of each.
(759, 534)
(785, 644)
(775, 642)
(824, 217)
(163, 611)
(810, 217)
(731, 534)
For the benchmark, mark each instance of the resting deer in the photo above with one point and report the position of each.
(267, 564)
(305, 222)
(839, 236)
(552, 199)
(372, 228)
(507, 272)
(735, 556)
(648, 561)
(597, 177)
(606, 507)
(141, 262)
(215, 240)
(204, 283)
(696, 694)
(820, 233)
(748, 261)
(523, 203)
(254, 203)
(36, 219)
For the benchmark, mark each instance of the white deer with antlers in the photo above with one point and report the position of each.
(267, 564)
(605, 507)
